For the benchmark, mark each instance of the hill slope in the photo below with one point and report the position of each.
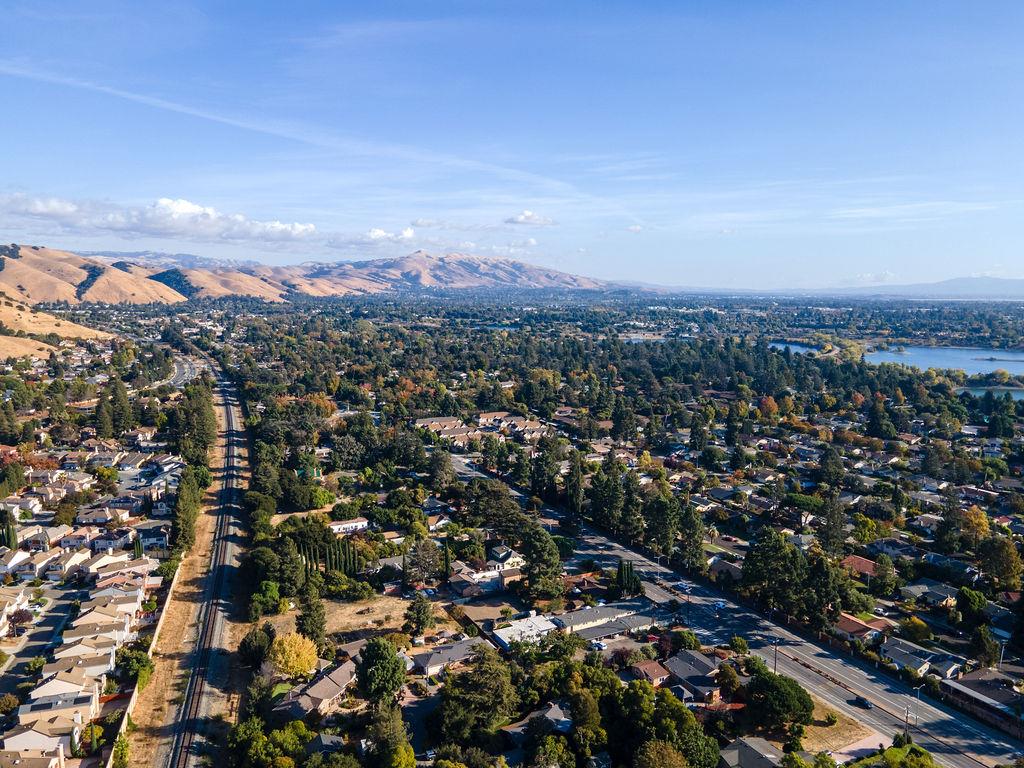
(16, 316)
(36, 274)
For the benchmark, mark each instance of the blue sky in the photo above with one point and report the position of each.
(731, 144)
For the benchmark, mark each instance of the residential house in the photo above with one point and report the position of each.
(346, 527)
(650, 671)
(67, 564)
(503, 557)
(321, 695)
(45, 735)
(35, 567)
(528, 630)
(696, 673)
(849, 627)
(10, 559)
(556, 720)
(931, 593)
(437, 660)
(80, 708)
(750, 752)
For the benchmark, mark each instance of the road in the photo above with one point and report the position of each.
(209, 667)
(185, 369)
(40, 637)
(955, 739)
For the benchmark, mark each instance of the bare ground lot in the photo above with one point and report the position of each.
(379, 615)
(820, 737)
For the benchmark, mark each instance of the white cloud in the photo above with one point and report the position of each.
(530, 218)
(635, 228)
(379, 235)
(166, 217)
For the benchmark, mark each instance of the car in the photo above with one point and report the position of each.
(597, 645)
(863, 703)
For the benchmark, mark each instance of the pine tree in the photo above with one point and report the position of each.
(104, 418)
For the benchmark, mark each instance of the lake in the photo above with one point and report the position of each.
(1016, 394)
(972, 360)
(793, 347)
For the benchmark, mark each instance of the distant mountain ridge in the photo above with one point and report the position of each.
(964, 288)
(35, 274)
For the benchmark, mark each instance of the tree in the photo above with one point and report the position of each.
(822, 599)
(380, 671)
(122, 416)
(293, 655)
(8, 703)
(971, 605)
(476, 701)
(692, 530)
(553, 752)
(574, 491)
(391, 739)
(248, 745)
(915, 630)
(659, 754)
(698, 433)
(984, 647)
(1001, 561)
(830, 468)
(885, 581)
(441, 473)
(832, 534)
(543, 565)
(255, 646)
(588, 735)
(134, 666)
(728, 681)
(974, 526)
(312, 619)
(423, 561)
(776, 701)
(420, 614)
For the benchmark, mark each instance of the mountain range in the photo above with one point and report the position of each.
(35, 274)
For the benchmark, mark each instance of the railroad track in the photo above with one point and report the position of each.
(186, 724)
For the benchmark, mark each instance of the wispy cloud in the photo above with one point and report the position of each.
(919, 211)
(296, 131)
(530, 219)
(164, 218)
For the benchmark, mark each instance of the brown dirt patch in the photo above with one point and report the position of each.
(820, 737)
(379, 615)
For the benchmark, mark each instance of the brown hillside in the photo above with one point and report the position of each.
(15, 346)
(19, 317)
(49, 275)
(38, 274)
